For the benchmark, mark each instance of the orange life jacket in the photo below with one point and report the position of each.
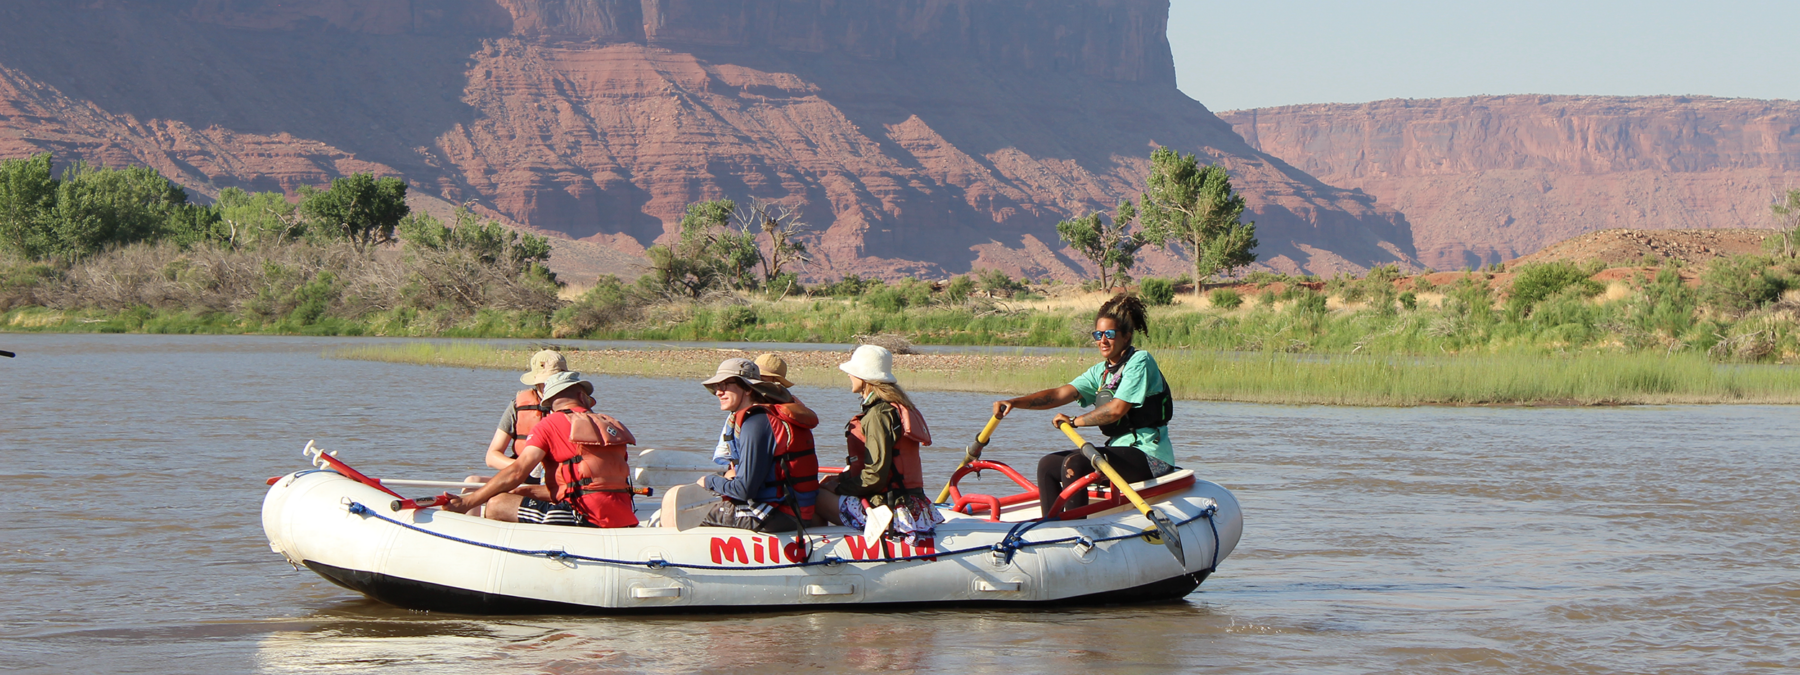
(907, 474)
(527, 413)
(793, 479)
(599, 463)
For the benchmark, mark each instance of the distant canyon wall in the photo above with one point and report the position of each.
(925, 137)
(1491, 178)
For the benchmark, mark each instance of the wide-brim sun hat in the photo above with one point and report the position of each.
(742, 370)
(773, 392)
(542, 365)
(772, 368)
(561, 380)
(870, 363)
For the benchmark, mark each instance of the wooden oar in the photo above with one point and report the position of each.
(1166, 530)
(970, 454)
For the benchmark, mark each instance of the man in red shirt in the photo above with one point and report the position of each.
(592, 491)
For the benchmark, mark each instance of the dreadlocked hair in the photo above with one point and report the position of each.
(1126, 311)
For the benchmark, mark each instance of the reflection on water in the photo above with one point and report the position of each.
(1423, 540)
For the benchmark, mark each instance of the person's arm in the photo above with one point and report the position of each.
(1134, 384)
(880, 427)
(510, 477)
(1043, 400)
(1113, 411)
(496, 451)
(801, 414)
(756, 449)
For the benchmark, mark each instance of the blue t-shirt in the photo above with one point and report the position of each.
(1135, 381)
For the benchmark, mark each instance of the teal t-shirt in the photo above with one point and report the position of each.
(1138, 379)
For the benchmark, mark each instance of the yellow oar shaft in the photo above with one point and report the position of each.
(1106, 468)
(981, 439)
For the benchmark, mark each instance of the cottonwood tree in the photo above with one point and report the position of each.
(1192, 207)
(709, 253)
(1111, 247)
(360, 209)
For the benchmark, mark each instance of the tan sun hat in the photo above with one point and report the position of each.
(742, 370)
(774, 369)
(542, 365)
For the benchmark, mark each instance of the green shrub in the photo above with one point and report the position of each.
(1266, 299)
(1409, 300)
(1156, 291)
(1225, 298)
(1535, 283)
(737, 317)
(959, 289)
(1309, 303)
(997, 284)
(885, 298)
(1740, 284)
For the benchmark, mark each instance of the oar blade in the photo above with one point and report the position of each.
(1171, 537)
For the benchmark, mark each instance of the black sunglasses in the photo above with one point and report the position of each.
(1108, 334)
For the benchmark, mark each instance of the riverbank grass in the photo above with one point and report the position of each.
(1586, 379)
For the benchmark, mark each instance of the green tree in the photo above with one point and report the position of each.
(251, 218)
(709, 254)
(97, 207)
(27, 202)
(490, 242)
(360, 209)
(1193, 208)
(1110, 247)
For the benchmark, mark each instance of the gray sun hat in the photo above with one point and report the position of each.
(558, 381)
(742, 370)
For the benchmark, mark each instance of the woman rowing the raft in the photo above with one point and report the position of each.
(1131, 404)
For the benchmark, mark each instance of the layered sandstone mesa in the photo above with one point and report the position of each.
(1493, 178)
(920, 136)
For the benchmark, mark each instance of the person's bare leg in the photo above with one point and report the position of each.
(503, 507)
(827, 508)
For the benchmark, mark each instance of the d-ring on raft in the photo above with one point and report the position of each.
(991, 551)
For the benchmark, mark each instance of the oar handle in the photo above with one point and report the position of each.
(420, 503)
(1105, 467)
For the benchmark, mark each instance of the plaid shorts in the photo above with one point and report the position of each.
(550, 513)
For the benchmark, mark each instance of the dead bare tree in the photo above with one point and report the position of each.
(784, 228)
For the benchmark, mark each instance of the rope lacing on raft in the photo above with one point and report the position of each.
(1011, 544)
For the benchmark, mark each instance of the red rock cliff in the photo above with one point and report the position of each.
(1492, 178)
(922, 136)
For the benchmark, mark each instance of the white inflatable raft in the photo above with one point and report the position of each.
(331, 522)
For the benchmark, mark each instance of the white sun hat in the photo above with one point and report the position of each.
(870, 363)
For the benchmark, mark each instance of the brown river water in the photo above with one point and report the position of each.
(1653, 539)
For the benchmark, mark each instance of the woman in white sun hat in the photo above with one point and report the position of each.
(884, 440)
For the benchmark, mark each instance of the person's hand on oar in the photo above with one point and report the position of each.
(1171, 538)
(973, 451)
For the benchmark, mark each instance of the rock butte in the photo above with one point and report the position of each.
(922, 136)
(1492, 178)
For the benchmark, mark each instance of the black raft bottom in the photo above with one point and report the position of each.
(427, 596)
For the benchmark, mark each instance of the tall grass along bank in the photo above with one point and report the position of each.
(1586, 379)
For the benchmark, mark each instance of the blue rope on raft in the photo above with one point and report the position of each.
(1012, 543)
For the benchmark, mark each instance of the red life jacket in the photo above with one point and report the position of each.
(793, 479)
(527, 414)
(907, 474)
(599, 461)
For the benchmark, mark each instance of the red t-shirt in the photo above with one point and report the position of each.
(606, 509)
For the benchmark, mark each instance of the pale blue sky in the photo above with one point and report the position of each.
(1258, 53)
